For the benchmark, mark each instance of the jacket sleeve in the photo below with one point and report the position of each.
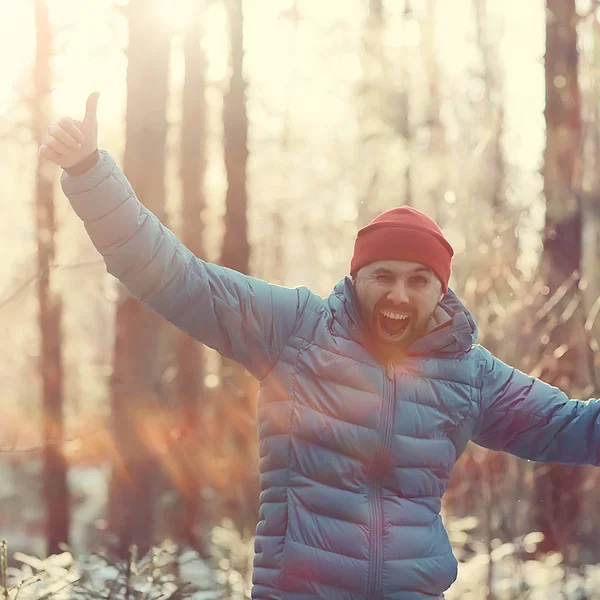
(243, 318)
(534, 420)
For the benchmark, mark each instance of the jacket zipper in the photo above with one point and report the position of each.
(375, 574)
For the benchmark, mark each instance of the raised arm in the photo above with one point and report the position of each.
(534, 420)
(243, 318)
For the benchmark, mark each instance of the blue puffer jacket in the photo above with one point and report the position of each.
(354, 455)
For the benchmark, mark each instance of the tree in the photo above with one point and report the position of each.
(275, 248)
(563, 351)
(590, 180)
(235, 252)
(385, 118)
(432, 172)
(190, 354)
(138, 354)
(493, 106)
(56, 494)
(238, 404)
(403, 118)
(371, 103)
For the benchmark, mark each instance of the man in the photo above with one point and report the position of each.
(367, 399)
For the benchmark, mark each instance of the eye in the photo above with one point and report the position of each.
(419, 280)
(383, 277)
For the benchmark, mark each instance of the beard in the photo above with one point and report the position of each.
(391, 336)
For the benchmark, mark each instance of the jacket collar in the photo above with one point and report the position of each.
(452, 329)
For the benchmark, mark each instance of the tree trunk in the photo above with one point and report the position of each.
(591, 207)
(235, 252)
(493, 107)
(371, 110)
(284, 209)
(404, 124)
(190, 354)
(238, 397)
(386, 149)
(558, 486)
(56, 496)
(435, 165)
(138, 354)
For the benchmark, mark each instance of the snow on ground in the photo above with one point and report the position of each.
(22, 526)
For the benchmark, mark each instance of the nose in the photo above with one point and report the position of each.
(398, 294)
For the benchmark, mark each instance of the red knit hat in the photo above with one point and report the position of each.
(404, 233)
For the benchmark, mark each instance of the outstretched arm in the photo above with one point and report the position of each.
(531, 419)
(243, 318)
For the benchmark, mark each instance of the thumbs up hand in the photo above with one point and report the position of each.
(71, 141)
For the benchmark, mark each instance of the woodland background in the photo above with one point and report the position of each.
(264, 133)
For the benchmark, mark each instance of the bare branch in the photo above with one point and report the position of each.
(37, 276)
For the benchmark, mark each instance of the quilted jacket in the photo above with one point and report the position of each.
(354, 455)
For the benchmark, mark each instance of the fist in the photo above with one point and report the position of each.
(71, 141)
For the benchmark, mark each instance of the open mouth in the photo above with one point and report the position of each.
(393, 324)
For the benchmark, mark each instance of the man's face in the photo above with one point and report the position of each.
(396, 300)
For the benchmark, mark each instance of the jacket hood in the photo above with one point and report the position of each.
(452, 329)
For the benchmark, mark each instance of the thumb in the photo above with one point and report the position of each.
(90, 108)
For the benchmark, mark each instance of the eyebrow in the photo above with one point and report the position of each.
(385, 271)
(423, 270)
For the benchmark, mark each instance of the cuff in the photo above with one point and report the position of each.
(89, 198)
(85, 165)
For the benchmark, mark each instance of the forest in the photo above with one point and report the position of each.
(264, 134)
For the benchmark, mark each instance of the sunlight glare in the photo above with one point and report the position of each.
(175, 14)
